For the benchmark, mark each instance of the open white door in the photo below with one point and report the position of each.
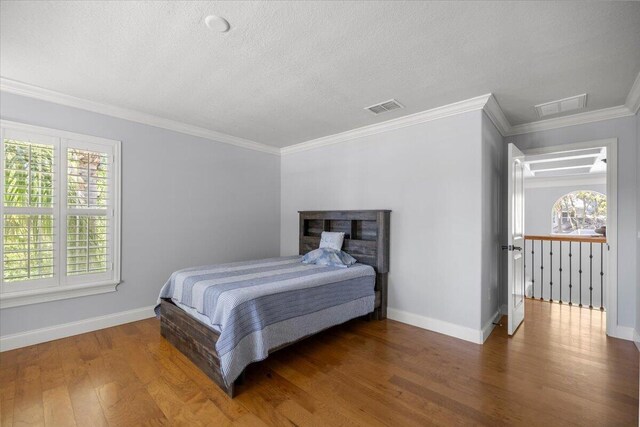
(515, 243)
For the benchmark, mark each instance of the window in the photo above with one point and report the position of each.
(60, 214)
(579, 212)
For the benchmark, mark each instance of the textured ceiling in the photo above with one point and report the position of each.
(288, 72)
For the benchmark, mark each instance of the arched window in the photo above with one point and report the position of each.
(579, 212)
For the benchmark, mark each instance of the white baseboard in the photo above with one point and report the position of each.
(622, 332)
(636, 338)
(436, 325)
(488, 327)
(36, 336)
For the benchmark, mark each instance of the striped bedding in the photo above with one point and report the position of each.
(261, 305)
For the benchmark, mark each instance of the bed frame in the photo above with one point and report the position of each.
(366, 238)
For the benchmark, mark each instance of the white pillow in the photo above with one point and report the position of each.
(331, 240)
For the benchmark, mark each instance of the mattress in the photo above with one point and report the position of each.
(257, 306)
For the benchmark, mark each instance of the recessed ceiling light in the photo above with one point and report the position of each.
(217, 23)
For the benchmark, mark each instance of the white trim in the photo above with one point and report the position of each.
(633, 98)
(36, 336)
(598, 143)
(55, 133)
(496, 115)
(63, 286)
(611, 291)
(636, 339)
(487, 102)
(564, 181)
(24, 89)
(490, 325)
(436, 325)
(53, 293)
(572, 120)
(622, 332)
(472, 104)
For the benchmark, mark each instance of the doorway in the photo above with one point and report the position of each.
(570, 229)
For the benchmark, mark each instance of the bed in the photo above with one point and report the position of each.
(223, 317)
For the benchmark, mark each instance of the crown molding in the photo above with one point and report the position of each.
(24, 89)
(496, 115)
(633, 99)
(630, 108)
(487, 103)
(472, 104)
(572, 120)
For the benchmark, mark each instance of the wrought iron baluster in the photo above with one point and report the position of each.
(580, 274)
(570, 275)
(560, 299)
(533, 272)
(550, 270)
(590, 274)
(601, 276)
(541, 270)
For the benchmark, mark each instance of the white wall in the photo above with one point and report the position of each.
(494, 214)
(191, 201)
(540, 200)
(430, 175)
(185, 201)
(625, 130)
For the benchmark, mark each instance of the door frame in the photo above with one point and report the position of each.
(611, 282)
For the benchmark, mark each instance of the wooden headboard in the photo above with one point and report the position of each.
(366, 239)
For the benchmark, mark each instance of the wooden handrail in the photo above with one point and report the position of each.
(568, 238)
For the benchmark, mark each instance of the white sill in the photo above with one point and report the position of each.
(36, 296)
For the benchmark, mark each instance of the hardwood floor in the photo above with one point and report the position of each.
(559, 369)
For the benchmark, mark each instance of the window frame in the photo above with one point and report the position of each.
(568, 194)
(63, 286)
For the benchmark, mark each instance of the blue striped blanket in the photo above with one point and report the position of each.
(261, 305)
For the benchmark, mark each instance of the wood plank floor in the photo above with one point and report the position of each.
(559, 369)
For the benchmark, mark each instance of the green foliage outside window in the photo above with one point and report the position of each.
(579, 210)
(28, 238)
(28, 183)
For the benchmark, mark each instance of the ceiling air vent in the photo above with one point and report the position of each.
(577, 102)
(389, 105)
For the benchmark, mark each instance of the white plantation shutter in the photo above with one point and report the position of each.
(28, 247)
(87, 244)
(28, 196)
(60, 215)
(89, 208)
(28, 172)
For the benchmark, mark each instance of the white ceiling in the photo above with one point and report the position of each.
(288, 72)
